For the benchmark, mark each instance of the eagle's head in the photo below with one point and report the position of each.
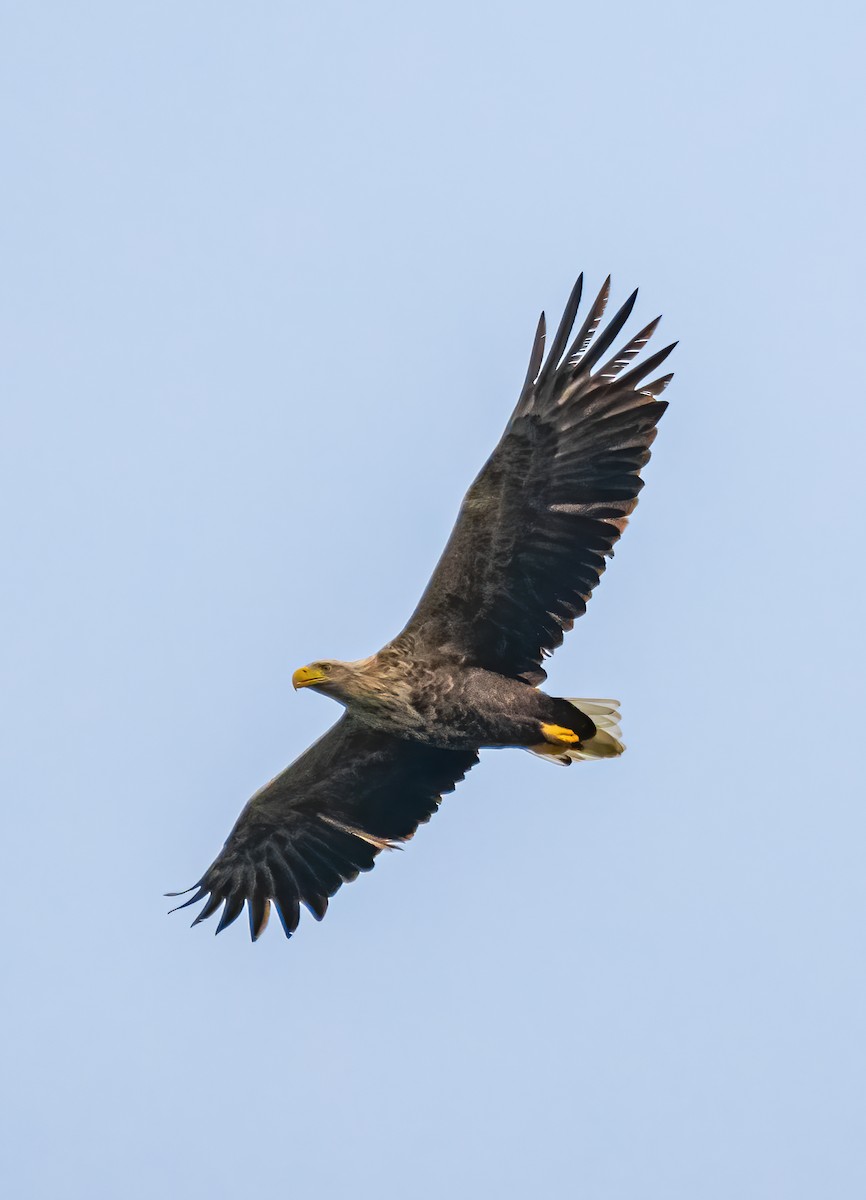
(367, 684)
(323, 676)
(340, 680)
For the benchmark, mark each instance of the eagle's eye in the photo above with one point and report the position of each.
(326, 667)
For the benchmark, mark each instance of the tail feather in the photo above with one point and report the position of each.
(606, 742)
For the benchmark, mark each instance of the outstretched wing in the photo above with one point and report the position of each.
(537, 525)
(322, 821)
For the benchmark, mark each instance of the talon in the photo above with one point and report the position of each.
(559, 735)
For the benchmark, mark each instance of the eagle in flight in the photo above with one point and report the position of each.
(530, 544)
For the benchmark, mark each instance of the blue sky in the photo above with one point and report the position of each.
(271, 274)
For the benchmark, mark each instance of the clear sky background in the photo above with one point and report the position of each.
(270, 276)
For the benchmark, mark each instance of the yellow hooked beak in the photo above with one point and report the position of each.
(306, 676)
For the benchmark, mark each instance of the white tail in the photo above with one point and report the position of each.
(606, 743)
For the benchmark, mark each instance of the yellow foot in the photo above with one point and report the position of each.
(559, 735)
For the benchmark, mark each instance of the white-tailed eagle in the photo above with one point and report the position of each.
(531, 541)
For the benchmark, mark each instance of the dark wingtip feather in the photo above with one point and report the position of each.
(317, 905)
(233, 909)
(535, 357)
(633, 377)
(588, 328)
(171, 895)
(209, 909)
(605, 339)
(560, 341)
(657, 386)
(259, 911)
(288, 929)
(623, 357)
(200, 895)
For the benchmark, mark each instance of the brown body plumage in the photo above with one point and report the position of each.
(442, 703)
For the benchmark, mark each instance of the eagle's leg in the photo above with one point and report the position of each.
(563, 723)
(585, 737)
(558, 735)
